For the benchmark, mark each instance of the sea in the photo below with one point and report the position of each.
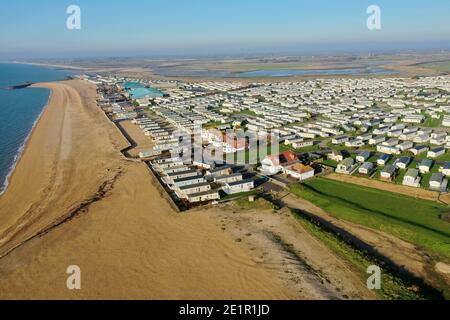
(20, 109)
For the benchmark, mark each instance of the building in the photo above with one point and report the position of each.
(177, 183)
(438, 182)
(383, 159)
(363, 156)
(411, 178)
(387, 149)
(376, 140)
(239, 186)
(184, 191)
(388, 172)
(405, 146)
(303, 144)
(220, 171)
(346, 166)
(445, 169)
(340, 140)
(204, 196)
(366, 168)
(300, 171)
(418, 150)
(274, 164)
(228, 178)
(336, 155)
(403, 162)
(435, 153)
(425, 166)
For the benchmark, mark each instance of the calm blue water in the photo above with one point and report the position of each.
(138, 90)
(19, 109)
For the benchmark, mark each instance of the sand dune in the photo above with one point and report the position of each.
(74, 200)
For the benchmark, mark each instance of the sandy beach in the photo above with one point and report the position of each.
(74, 200)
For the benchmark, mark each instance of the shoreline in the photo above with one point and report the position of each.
(22, 149)
(81, 203)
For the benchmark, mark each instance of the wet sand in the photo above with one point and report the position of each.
(74, 200)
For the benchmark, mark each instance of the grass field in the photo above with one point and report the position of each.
(432, 123)
(414, 220)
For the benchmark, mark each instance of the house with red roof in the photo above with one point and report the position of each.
(274, 164)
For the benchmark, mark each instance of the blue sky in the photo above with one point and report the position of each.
(31, 28)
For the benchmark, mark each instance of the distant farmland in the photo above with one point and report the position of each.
(417, 221)
(442, 66)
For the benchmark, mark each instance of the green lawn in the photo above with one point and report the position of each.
(329, 163)
(414, 220)
(432, 123)
(246, 113)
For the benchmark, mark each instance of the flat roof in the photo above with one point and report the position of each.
(203, 184)
(240, 182)
(188, 178)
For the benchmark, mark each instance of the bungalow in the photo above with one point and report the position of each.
(412, 178)
(391, 142)
(403, 162)
(184, 191)
(363, 156)
(303, 144)
(405, 145)
(340, 140)
(167, 163)
(228, 178)
(414, 118)
(407, 136)
(394, 133)
(438, 138)
(438, 182)
(274, 164)
(204, 196)
(226, 169)
(346, 166)
(188, 181)
(445, 169)
(434, 153)
(336, 155)
(366, 168)
(418, 150)
(376, 140)
(354, 143)
(149, 154)
(383, 159)
(299, 171)
(425, 166)
(170, 170)
(388, 172)
(387, 149)
(182, 174)
(364, 137)
(239, 186)
(423, 138)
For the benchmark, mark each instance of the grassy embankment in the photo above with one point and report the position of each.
(417, 221)
(394, 286)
